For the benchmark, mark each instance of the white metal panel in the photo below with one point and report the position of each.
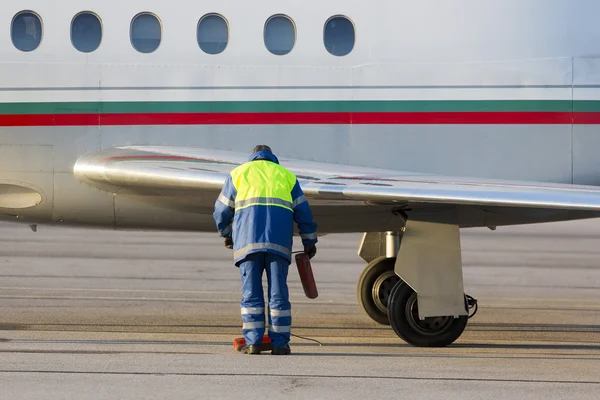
(24, 75)
(92, 207)
(230, 76)
(429, 261)
(300, 94)
(586, 71)
(526, 72)
(26, 158)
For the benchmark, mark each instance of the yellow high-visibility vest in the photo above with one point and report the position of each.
(263, 183)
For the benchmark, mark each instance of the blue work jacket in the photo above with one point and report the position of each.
(258, 206)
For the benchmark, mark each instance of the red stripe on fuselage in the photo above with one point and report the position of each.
(398, 118)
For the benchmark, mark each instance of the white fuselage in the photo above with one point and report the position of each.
(505, 89)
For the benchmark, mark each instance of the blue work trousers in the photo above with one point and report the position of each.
(253, 302)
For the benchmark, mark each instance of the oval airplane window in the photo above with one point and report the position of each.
(86, 32)
(280, 34)
(339, 36)
(146, 33)
(213, 34)
(26, 31)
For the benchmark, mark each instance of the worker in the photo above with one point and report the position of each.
(255, 213)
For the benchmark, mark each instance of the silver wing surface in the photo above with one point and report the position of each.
(190, 179)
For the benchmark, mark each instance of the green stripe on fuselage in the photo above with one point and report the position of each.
(122, 107)
(586, 106)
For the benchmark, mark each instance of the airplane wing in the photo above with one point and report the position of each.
(198, 174)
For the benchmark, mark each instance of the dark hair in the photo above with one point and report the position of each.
(261, 147)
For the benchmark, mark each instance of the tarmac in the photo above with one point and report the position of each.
(99, 314)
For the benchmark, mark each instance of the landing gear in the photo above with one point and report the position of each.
(403, 315)
(429, 262)
(375, 286)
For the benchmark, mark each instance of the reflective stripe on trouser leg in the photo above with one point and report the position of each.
(253, 303)
(280, 314)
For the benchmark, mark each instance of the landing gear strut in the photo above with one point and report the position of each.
(375, 287)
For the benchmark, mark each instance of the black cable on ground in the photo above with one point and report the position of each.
(307, 338)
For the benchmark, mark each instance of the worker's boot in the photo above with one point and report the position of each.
(250, 349)
(281, 351)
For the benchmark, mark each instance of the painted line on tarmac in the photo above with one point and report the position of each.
(486, 299)
(543, 299)
(168, 299)
(59, 289)
(307, 376)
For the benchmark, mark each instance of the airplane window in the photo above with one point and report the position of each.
(280, 35)
(213, 34)
(338, 36)
(86, 32)
(26, 31)
(146, 33)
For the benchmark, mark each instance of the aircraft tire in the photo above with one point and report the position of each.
(374, 288)
(431, 332)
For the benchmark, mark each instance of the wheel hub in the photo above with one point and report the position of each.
(382, 288)
(428, 326)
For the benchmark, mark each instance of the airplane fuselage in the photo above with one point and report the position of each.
(506, 90)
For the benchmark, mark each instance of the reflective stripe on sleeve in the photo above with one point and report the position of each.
(263, 201)
(253, 310)
(280, 328)
(298, 201)
(262, 246)
(281, 313)
(253, 325)
(309, 236)
(226, 201)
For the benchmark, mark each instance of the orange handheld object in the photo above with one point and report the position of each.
(266, 344)
(306, 276)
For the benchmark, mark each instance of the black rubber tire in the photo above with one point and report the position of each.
(397, 314)
(364, 288)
